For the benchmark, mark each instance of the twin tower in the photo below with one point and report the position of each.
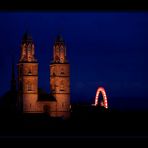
(57, 103)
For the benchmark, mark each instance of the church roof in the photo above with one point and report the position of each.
(46, 97)
(43, 96)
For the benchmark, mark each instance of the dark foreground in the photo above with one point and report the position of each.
(84, 122)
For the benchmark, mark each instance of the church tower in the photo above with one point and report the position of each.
(27, 77)
(60, 79)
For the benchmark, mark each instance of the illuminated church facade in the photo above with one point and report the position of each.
(57, 102)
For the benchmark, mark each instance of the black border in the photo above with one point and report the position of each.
(76, 6)
(73, 5)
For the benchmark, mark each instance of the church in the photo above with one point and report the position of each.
(29, 99)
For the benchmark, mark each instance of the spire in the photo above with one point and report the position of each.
(13, 81)
(59, 39)
(59, 50)
(27, 38)
(27, 49)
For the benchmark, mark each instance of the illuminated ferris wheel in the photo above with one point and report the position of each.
(104, 102)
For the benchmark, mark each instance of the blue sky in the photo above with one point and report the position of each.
(106, 49)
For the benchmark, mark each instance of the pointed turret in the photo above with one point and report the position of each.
(27, 49)
(27, 38)
(59, 39)
(59, 50)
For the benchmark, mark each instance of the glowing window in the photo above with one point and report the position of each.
(63, 105)
(29, 71)
(62, 86)
(53, 74)
(62, 71)
(29, 88)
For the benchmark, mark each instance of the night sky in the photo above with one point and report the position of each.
(107, 49)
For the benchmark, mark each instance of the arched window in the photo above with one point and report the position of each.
(62, 86)
(29, 70)
(63, 104)
(54, 74)
(29, 86)
(57, 59)
(62, 71)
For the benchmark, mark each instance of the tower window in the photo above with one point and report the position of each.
(62, 60)
(29, 71)
(62, 71)
(29, 87)
(57, 59)
(53, 74)
(62, 86)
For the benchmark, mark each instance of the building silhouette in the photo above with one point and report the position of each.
(9, 99)
(30, 98)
